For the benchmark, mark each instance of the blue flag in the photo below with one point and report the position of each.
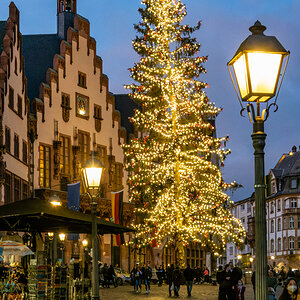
(73, 190)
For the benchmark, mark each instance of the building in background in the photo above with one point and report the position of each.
(283, 217)
(56, 109)
(14, 143)
(243, 211)
(283, 211)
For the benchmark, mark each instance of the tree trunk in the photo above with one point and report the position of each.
(179, 252)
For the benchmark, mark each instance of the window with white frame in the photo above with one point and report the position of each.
(294, 203)
(279, 205)
(279, 244)
(279, 224)
(243, 221)
(291, 243)
(243, 207)
(292, 222)
(272, 208)
(230, 250)
(293, 183)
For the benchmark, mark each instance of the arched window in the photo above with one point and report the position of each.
(272, 246)
(279, 245)
(279, 224)
(272, 225)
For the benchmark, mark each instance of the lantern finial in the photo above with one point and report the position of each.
(257, 28)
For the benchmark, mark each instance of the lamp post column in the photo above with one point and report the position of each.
(258, 139)
(95, 272)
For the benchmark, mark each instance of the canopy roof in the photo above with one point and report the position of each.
(34, 214)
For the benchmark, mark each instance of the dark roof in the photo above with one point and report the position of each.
(126, 106)
(39, 51)
(34, 214)
(2, 33)
(288, 165)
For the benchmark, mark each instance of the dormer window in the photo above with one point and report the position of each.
(273, 187)
(293, 183)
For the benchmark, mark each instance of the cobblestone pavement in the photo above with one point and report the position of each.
(205, 292)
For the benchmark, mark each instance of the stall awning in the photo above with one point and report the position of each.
(37, 215)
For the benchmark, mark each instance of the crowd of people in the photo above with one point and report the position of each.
(107, 276)
(280, 277)
(13, 282)
(173, 276)
(230, 280)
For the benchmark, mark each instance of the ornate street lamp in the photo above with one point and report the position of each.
(258, 70)
(62, 238)
(91, 176)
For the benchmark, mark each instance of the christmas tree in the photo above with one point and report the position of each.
(174, 163)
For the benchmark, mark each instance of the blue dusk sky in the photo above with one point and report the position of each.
(224, 26)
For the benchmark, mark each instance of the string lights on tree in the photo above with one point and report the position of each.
(174, 163)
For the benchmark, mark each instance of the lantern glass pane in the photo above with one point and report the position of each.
(93, 177)
(263, 70)
(241, 75)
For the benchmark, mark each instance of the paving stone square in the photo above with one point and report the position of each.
(205, 292)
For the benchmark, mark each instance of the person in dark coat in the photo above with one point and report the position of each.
(236, 276)
(290, 290)
(147, 278)
(290, 273)
(177, 279)
(169, 274)
(219, 278)
(189, 275)
(271, 285)
(112, 275)
(225, 289)
(105, 276)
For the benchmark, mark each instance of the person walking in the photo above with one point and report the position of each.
(177, 279)
(105, 276)
(138, 279)
(225, 289)
(206, 275)
(219, 279)
(169, 273)
(271, 285)
(147, 278)
(112, 275)
(290, 290)
(189, 275)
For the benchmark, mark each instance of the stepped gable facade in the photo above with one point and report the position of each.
(14, 106)
(55, 110)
